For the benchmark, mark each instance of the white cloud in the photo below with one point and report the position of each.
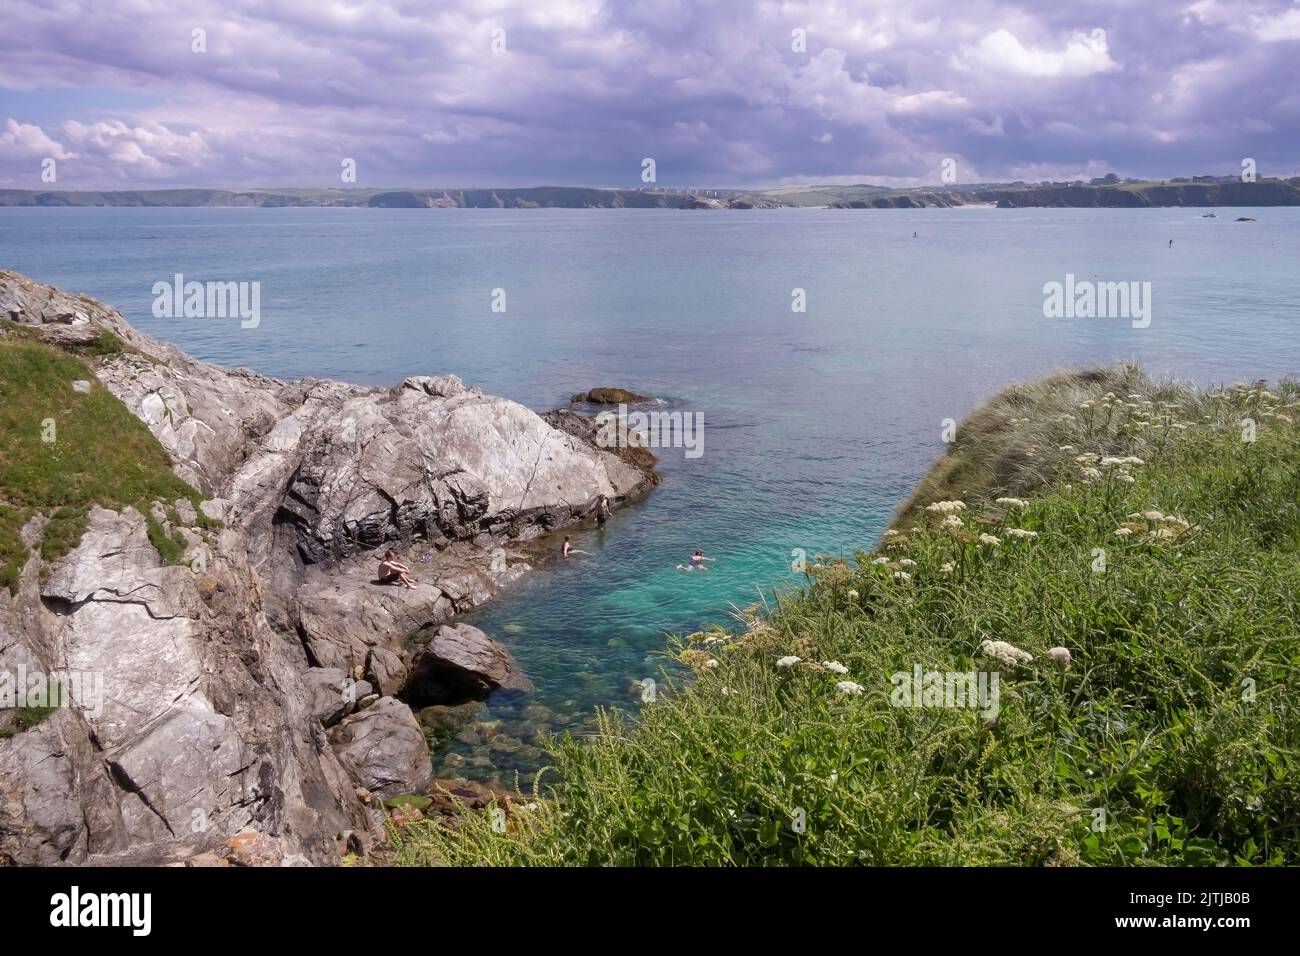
(1001, 50)
(1283, 27)
(25, 141)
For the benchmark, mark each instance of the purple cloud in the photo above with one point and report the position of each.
(518, 93)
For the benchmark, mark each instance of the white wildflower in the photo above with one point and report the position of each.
(789, 661)
(1012, 502)
(1123, 532)
(881, 560)
(947, 567)
(1062, 657)
(946, 507)
(848, 687)
(902, 576)
(852, 595)
(1004, 653)
(952, 521)
(711, 662)
(1021, 533)
(989, 540)
(906, 563)
(835, 667)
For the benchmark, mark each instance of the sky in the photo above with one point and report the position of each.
(125, 94)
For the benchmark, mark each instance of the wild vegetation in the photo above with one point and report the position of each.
(1124, 555)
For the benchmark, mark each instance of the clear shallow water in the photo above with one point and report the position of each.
(815, 425)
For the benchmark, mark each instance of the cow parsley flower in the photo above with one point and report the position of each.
(1012, 502)
(946, 507)
(1021, 533)
(989, 540)
(947, 567)
(848, 687)
(789, 661)
(835, 667)
(1004, 653)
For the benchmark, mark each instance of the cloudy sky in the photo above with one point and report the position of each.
(126, 94)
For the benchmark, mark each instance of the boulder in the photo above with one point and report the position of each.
(461, 663)
(383, 748)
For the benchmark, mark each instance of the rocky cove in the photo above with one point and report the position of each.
(260, 685)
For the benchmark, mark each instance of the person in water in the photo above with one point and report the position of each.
(567, 549)
(697, 561)
(392, 571)
(602, 511)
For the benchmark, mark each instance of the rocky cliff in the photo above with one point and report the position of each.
(254, 685)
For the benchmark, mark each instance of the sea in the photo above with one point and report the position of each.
(820, 352)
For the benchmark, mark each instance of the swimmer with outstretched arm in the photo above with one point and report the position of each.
(697, 561)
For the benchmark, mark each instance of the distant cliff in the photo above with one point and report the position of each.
(537, 197)
(1265, 192)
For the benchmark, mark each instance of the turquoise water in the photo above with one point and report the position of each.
(815, 425)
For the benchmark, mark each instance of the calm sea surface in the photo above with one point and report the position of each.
(816, 424)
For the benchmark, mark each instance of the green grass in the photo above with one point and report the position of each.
(1171, 739)
(100, 453)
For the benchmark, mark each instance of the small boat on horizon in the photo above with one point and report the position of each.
(1210, 215)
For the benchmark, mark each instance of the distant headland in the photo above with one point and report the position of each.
(1104, 192)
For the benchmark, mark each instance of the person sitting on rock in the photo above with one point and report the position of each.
(392, 571)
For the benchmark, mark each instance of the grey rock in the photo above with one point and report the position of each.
(461, 663)
(219, 679)
(383, 748)
(333, 694)
(81, 385)
(213, 509)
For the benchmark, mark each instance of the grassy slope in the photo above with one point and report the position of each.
(102, 454)
(1169, 741)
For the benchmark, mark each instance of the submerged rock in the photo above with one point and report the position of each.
(609, 396)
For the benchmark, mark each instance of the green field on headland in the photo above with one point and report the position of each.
(1122, 555)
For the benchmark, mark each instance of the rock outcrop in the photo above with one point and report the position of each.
(254, 697)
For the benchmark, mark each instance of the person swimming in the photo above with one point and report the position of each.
(602, 511)
(392, 571)
(567, 548)
(697, 561)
